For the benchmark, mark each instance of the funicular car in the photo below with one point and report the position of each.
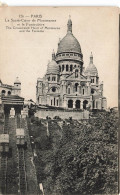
(20, 137)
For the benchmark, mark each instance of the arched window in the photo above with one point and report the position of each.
(92, 91)
(60, 68)
(76, 73)
(70, 103)
(54, 101)
(76, 87)
(48, 79)
(9, 92)
(3, 92)
(67, 67)
(51, 102)
(53, 78)
(96, 104)
(83, 91)
(77, 105)
(63, 67)
(85, 102)
(71, 67)
(93, 104)
(68, 90)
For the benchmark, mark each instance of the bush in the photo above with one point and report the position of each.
(57, 117)
(83, 156)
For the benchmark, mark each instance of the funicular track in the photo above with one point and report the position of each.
(6, 124)
(21, 164)
(22, 173)
(4, 159)
(3, 173)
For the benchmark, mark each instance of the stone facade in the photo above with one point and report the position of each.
(6, 90)
(66, 83)
(62, 114)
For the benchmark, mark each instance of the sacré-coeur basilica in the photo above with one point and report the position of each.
(67, 83)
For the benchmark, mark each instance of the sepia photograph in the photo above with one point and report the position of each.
(59, 116)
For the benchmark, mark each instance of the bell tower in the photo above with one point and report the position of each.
(17, 87)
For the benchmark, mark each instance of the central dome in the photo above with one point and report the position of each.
(69, 43)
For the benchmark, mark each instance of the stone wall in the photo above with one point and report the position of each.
(62, 114)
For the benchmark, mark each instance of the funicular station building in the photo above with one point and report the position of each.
(10, 97)
(13, 140)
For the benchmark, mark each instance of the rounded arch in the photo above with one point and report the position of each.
(85, 102)
(77, 104)
(92, 91)
(3, 92)
(71, 67)
(93, 104)
(70, 103)
(83, 90)
(97, 104)
(67, 67)
(68, 89)
(48, 79)
(53, 78)
(76, 87)
(9, 92)
(62, 67)
(76, 73)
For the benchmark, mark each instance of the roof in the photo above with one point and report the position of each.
(4, 138)
(53, 68)
(20, 132)
(13, 99)
(91, 69)
(40, 79)
(69, 43)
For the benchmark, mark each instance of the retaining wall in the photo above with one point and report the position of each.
(63, 114)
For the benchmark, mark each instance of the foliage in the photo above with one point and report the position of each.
(81, 157)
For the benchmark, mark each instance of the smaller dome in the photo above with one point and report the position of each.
(53, 68)
(17, 81)
(39, 79)
(91, 69)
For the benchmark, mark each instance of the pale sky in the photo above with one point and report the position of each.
(26, 55)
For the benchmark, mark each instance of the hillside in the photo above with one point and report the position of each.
(77, 157)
